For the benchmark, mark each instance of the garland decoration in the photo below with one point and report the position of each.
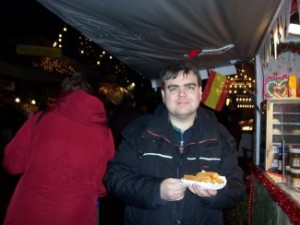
(288, 205)
(250, 198)
(288, 47)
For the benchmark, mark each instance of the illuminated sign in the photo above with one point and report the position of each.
(38, 51)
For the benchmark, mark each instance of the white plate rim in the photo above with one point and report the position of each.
(206, 185)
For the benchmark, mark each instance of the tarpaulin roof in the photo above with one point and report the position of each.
(149, 34)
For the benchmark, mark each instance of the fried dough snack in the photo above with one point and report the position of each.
(206, 177)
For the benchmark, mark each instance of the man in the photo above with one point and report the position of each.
(158, 150)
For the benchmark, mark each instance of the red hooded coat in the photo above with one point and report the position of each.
(62, 158)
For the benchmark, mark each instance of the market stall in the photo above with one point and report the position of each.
(215, 34)
(275, 177)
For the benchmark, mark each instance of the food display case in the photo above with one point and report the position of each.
(280, 139)
(276, 178)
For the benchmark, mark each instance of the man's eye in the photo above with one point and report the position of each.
(192, 87)
(172, 89)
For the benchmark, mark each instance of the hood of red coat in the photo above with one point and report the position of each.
(80, 106)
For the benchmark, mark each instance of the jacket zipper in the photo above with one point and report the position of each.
(181, 149)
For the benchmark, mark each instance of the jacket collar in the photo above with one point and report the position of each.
(202, 128)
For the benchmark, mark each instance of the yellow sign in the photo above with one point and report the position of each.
(38, 51)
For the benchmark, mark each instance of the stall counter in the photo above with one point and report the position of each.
(271, 203)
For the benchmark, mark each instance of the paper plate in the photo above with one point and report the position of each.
(206, 185)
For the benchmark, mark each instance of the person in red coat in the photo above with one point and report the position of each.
(62, 154)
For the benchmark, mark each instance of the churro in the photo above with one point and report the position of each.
(206, 177)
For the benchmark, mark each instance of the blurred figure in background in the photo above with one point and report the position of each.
(11, 119)
(230, 118)
(122, 114)
(61, 154)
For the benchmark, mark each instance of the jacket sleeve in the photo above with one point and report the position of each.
(122, 178)
(108, 147)
(235, 189)
(18, 148)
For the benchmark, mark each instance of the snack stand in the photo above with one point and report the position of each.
(274, 182)
(272, 198)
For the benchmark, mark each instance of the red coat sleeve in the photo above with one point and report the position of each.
(17, 149)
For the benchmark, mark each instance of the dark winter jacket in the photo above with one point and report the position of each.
(151, 152)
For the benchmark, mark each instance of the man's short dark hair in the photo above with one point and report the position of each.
(172, 70)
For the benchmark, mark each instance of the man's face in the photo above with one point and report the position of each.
(182, 95)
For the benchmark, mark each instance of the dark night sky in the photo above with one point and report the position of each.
(26, 21)
(25, 17)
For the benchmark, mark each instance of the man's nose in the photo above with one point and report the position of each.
(182, 91)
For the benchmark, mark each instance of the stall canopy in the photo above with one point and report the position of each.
(149, 34)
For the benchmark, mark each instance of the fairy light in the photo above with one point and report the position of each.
(90, 55)
(241, 83)
(17, 100)
(61, 66)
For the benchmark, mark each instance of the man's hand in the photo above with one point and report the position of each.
(172, 189)
(198, 190)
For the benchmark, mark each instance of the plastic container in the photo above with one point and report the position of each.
(295, 178)
(295, 158)
(288, 175)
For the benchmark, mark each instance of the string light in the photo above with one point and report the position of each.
(17, 100)
(62, 66)
(88, 54)
(92, 55)
(241, 84)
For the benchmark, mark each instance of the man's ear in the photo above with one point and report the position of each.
(200, 92)
(162, 92)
